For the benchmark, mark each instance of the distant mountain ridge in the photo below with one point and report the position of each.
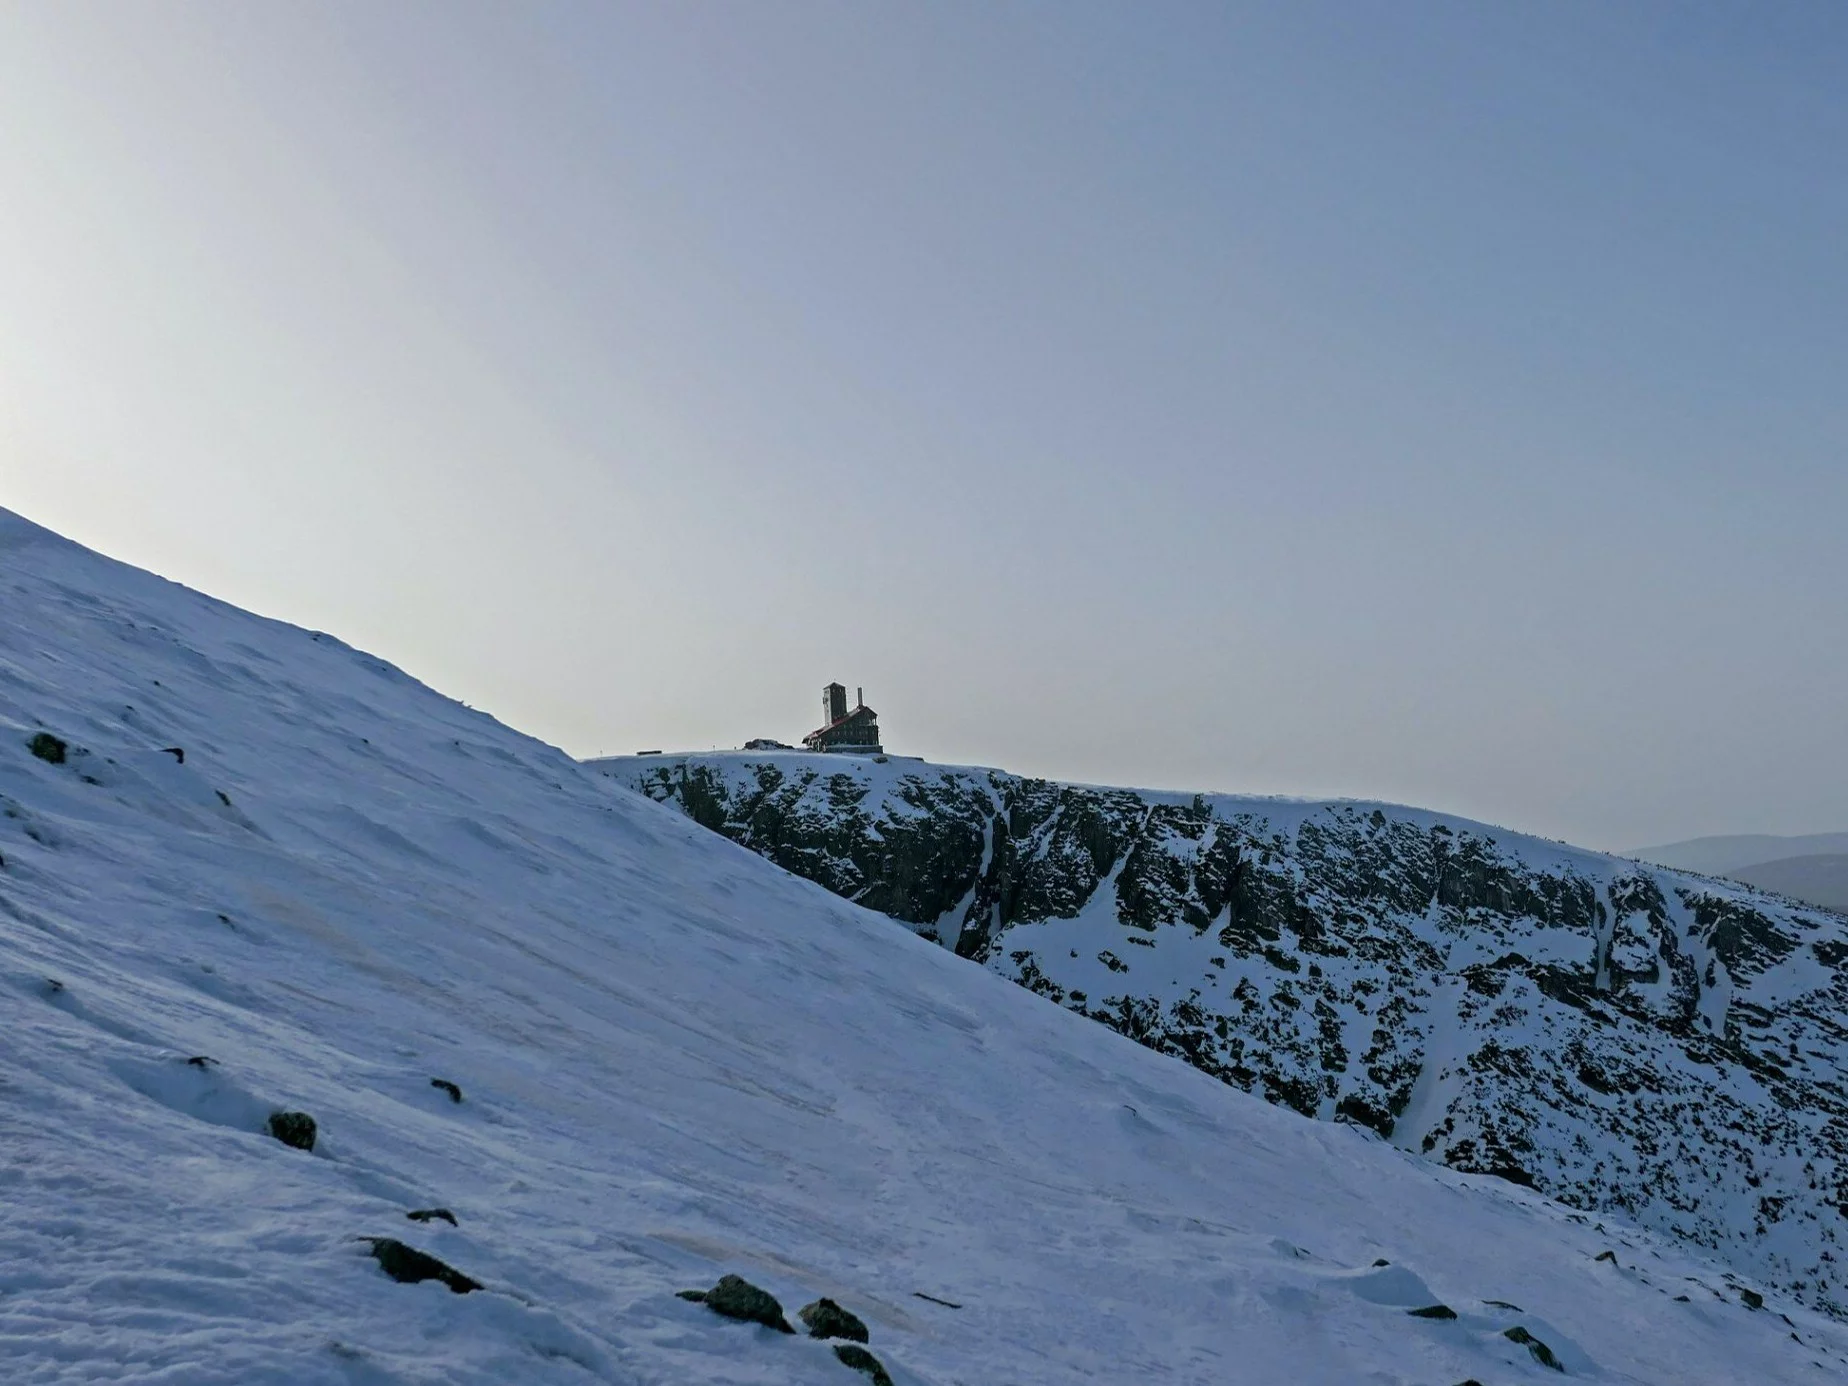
(1621, 1037)
(1812, 868)
(1819, 880)
(1722, 856)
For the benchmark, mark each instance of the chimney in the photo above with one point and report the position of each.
(859, 697)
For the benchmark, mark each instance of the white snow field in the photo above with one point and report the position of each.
(676, 1061)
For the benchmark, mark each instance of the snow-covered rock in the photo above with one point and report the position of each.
(1625, 1038)
(675, 1062)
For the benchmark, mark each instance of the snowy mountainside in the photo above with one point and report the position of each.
(674, 1061)
(1626, 1039)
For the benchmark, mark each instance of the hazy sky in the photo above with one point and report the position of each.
(1446, 403)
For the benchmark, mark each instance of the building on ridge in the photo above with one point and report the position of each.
(855, 732)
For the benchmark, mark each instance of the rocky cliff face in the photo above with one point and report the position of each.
(1623, 1038)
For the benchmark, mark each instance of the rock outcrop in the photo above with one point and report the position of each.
(863, 1361)
(826, 1319)
(296, 1129)
(409, 1266)
(737, 1298)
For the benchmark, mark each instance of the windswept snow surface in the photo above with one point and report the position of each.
(676, 1060)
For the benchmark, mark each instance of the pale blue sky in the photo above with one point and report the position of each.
(1445, 403)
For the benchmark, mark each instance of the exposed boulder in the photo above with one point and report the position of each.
(1433, 1311)
(408, 1266)
(863, 1361)
(826, 1319)
(737, 1298)
(432, 1215)
(295, 1129)
(455, 1093)
(1540, 1351)
(48, 748)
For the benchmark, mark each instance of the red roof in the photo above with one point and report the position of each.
(841, 722)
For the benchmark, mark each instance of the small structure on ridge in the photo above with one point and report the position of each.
(855, 732)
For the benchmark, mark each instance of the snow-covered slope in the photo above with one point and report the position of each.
(675, 1060)
(1624, 1038)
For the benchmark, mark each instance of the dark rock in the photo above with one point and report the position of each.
(1540, 1351)
(946, 1303)
(408, 1266)
(1382, 1261)
(455, 1093)
(826, 1319)
(48, 748)
(1504, 1304)
(293, 1128)
(432, 1214)
(1683, 1299)
(737, 1298)
(697, 1296)
(1359, 1112)
(177, 752)
(202, 1061)
(1751, 1298)
(863, 1361)
(1610, 1256)
(1501, 1169)
(1433, 1311)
